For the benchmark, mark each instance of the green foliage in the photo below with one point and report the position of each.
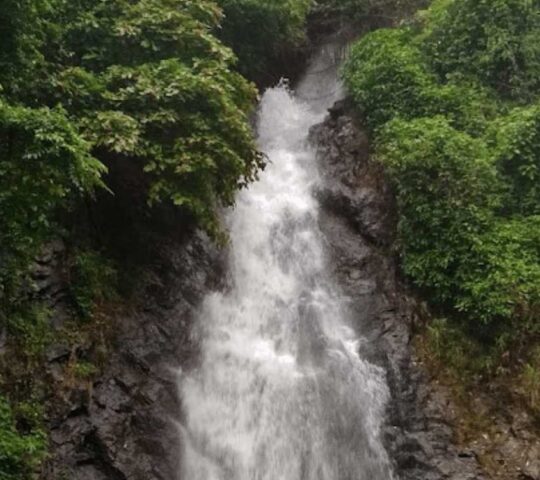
(466, 105)
(20, 451)
(92, 282)
(446, 188)
(496, 40)
(516, 141)
(30, 326)
(388, 76)
(500, 280)
(43, 164)
(86, 82)
(365, 11)
(463, 160)
(84, 370)
(158, 87)
(453, 245)
(260, 31)
(22, 34)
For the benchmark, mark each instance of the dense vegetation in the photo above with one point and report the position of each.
(154, 84)
(367, 14)
(165, 86)
(261, 33)
(453, 104)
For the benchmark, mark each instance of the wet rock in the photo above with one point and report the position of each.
(48, 284)
(3, 339)
(353, 187)
(58, 353)
(122, 426)
(358, 221)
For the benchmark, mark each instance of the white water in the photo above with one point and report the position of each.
(282, 392)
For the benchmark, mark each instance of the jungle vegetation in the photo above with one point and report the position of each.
(167, 87)
(453, 103)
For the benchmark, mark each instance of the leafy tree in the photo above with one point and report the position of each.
(500, 281)
(447, 188)
(22, 32)
(145, 80)
(387, 77)
(158, 87)
(260, 32)
(467, 105)
(496, 40)
(464, 161)
(376, 11)
(43, 163)
(516, 140)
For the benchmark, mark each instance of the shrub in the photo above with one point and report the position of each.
(496, 40)
(446, 188)
(386, 77)
(260, 32)
(466, 105)
(453, 245)
(20, 452)
(516, 141)
(500, 279)
(44, 163)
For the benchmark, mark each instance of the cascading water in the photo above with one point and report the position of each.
(282, 391)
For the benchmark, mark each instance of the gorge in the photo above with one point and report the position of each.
(211, 272)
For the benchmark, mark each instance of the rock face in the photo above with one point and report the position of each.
(122, 426)
(358, 221)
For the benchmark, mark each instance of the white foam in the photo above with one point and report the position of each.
(281, 392)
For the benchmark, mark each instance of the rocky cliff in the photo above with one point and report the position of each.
(124, 424)
(358, 219)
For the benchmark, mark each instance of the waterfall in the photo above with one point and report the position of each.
(281, 391)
